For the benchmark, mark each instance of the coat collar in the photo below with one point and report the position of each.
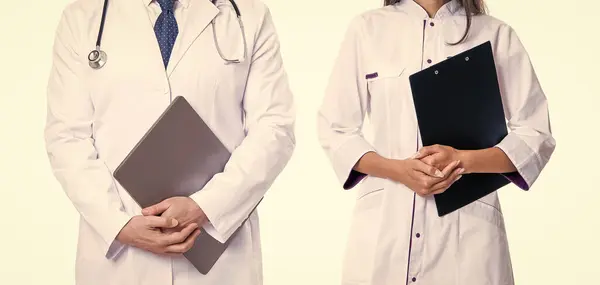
(413, 8)
(184, 3)
(198, 15)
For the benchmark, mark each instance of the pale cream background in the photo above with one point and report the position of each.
(553, 229)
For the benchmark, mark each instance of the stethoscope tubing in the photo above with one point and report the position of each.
(97, 57)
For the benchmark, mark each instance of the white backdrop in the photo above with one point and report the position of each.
(553, 230)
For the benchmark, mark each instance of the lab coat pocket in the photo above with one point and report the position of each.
(483, 252)
(368, 186)
(388, 82)
(486, 209)
(364, 230)
(390, 103)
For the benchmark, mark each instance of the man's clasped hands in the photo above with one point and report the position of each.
(167, 228)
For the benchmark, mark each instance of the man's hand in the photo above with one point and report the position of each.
(144, 232)
(438, 156)
(183, 209)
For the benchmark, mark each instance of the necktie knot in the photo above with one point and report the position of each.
(166, 5)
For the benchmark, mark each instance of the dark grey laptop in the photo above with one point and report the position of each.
(176, 157)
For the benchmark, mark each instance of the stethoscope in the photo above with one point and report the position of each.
(97, 57)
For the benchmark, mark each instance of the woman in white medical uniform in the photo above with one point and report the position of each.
(396, 236)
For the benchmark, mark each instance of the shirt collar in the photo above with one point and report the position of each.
(184, 3)
(413, 8)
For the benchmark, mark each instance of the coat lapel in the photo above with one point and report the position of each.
(139, 27)
(199, 15)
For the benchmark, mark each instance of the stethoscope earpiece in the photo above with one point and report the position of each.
(97, 59)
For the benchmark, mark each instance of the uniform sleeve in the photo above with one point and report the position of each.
(70, 146)
(230, 197)
(343, 110)
(529, 144)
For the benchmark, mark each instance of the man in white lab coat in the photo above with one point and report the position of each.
(156, 50)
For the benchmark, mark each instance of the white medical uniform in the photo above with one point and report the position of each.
(396, 237)
(95, 117)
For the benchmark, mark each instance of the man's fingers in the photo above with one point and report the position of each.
(160, 222)
(156, 209)
(185, 245)
(178, 228)
(180, 236)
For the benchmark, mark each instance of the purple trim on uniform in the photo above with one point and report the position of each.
(353, 179)
(412, 223)
(517, 179)
(371, 75)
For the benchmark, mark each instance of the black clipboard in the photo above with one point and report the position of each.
(458, 103)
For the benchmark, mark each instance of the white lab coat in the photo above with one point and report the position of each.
(396, 237)
(95, 117)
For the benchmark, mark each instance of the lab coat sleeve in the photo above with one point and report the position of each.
(529, 143)
(230, 196)
(70, 145)
(343, 110)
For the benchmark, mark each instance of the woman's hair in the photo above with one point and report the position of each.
(472, 7)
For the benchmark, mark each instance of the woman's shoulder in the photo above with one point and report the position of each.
(383, 14)
(491, 24)
(503, 36)
(371, 21)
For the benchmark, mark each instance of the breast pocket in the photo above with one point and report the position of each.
(391, 111)
(385, 83)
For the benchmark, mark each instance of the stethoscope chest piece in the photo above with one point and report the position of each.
(97, 59)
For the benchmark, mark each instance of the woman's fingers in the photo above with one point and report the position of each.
(427, 181)
(441, 186)
(427, 169)
(427, 150)
(450, 167)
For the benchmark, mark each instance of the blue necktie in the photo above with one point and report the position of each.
(166, 29)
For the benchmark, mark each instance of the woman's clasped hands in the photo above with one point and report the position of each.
(432, 170)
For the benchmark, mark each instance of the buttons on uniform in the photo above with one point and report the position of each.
(431, 24)
(429, 61)
(414, 279)
(418, 235)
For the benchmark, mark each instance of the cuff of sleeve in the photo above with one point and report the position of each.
(523, 158)
(212, 231)
(109, 233)
(346, 157)
(212, 205)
